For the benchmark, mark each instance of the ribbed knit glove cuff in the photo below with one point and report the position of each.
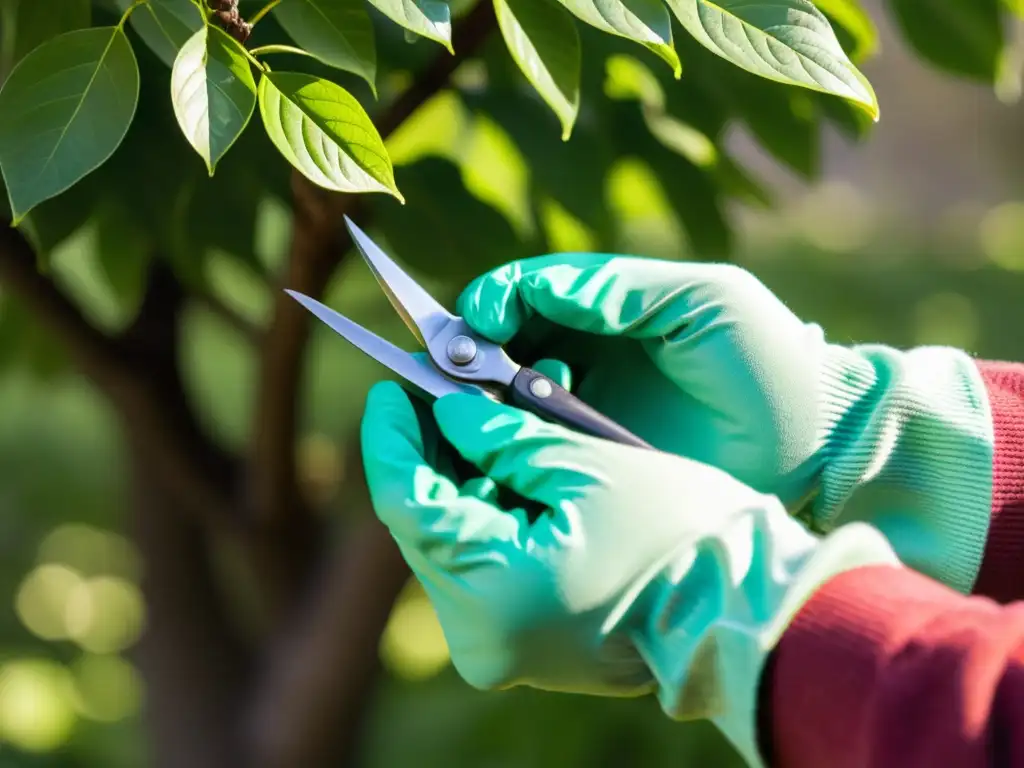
(907, 443)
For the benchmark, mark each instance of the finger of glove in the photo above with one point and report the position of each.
(556, 370)
(424, 510)
(706, 326)
(538, 460)
(603, 294)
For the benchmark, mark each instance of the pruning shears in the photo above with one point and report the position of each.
(458, 359)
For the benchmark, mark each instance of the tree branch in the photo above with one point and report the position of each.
(313, 700)
(308, 709)
(139, 379)
(194, 666)
(318, 242)
(272, 484)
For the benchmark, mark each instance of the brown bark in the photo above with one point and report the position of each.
(194, 667)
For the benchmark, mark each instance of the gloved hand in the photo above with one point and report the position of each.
(646, 572)
(703, 361)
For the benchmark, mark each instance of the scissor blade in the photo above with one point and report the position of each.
(424, 316)
(419, 373)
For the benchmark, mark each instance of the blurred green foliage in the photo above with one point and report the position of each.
(487, 178)
(63, 491)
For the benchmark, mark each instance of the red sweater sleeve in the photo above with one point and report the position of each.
(885, 668)
(1002, 570)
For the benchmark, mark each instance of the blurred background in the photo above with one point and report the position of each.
(913, 235)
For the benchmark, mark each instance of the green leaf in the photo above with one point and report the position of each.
(431, 19)
(165, 25)
(31, 23)
(643, 21)
(850, 20)
(324, 132)
(545, 43)
(961, 36)
(338, 32)
(66, 108)
(789, 41)
(213, 92)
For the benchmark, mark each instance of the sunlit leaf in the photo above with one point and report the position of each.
(338, 32)
(545, 43)
(213, 92)
(789, 41)
(324, 132)
(431, 19)
(961, 36)
(643, 21)
(66, 108)
(164, 25)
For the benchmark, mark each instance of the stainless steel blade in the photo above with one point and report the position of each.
(420, 373)
(421, 312)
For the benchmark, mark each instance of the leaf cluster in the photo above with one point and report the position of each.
(69, 102)
(104, 105)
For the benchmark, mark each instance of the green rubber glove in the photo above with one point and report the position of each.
(646, 571)
(703, 361)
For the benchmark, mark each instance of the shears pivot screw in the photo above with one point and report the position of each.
(461, 350)
(541, 388)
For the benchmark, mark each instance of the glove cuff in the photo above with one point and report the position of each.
(706, 636)
(908, 446)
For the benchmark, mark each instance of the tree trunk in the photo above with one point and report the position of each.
(194, 670)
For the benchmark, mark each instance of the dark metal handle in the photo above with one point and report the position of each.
(535, 392)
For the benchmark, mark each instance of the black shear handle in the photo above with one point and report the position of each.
(535, 392)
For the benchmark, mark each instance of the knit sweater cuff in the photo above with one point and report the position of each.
(1002, 569)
